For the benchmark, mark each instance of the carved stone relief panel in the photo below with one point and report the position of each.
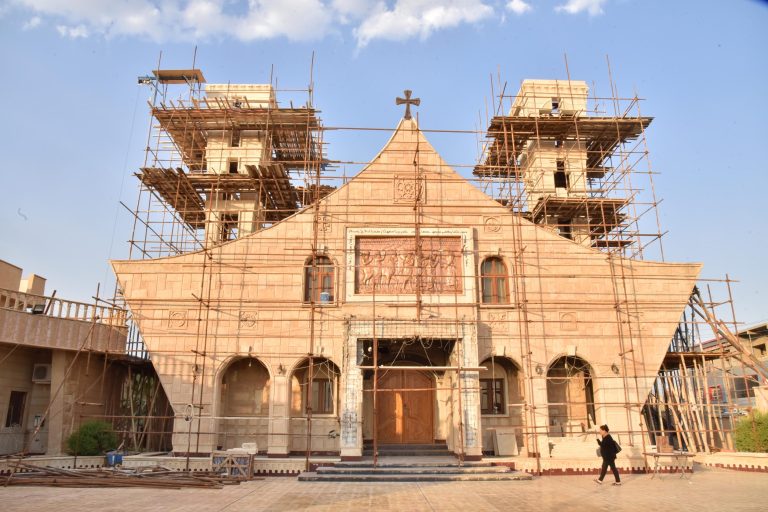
(498, 321)
(491, 224)
(408, 189)
(387, 260)
(395, 265)
(247, 319)
(568, 321)
(177, 319)
(324, 223)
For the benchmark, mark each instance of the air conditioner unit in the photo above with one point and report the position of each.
(41, 373)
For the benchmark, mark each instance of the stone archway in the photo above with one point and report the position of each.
(317, 390)
(502, 402)
(244, 404)
(571, 397)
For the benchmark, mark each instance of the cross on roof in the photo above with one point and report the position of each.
(407, 101)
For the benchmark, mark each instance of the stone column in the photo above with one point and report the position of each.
(470, 398)
(351, 414)
(279, 443)
(539, 402)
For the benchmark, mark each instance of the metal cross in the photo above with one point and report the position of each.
(407, 101)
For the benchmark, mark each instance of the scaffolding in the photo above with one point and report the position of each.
(226, 161)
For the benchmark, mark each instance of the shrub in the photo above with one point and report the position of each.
(92, 438)
(751, 433)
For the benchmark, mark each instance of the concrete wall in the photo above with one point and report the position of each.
(16, 375)
(10, 276)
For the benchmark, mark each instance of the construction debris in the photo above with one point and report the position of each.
(148, 476)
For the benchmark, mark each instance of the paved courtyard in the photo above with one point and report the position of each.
(708, 489)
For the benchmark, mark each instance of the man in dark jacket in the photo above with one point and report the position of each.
(608, 451)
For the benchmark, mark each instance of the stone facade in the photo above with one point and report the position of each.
(559, 302)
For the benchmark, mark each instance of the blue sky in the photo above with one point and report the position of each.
(75, 121)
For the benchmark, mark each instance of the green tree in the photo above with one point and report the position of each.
(92, 438)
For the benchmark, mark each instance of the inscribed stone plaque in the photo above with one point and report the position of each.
(394, 266)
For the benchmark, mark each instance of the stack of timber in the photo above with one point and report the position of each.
(152, 476)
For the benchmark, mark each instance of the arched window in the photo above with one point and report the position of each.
(321, 394)
(494, 281)
(318, 280)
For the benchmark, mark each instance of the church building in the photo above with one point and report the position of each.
(404, 305)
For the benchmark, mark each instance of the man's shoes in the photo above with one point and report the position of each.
(616, 483)
(598, 481)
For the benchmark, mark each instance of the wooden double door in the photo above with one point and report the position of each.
(405, 415)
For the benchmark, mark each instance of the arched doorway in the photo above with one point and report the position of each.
(244, 399)
(501, 400)
(405, 407)
(315, 395)
(570, 396)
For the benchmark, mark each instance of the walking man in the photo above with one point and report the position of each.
(608, 451)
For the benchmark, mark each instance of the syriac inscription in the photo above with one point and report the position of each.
(396, 266)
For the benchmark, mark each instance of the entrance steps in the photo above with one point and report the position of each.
(428, 469)
(408, 450)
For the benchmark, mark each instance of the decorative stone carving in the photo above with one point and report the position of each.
(568, 321)
(248, 318)
(395, 266)
(177, 319)
(491, 224)
(443, 267)
(324, 223)
(409, 189)
(498, 321)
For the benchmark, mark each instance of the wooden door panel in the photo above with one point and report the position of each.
(405, 416)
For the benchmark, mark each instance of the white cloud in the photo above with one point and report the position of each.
(72, 32)
(418, 18)
(352, 10)
(518, 6)
(31, 23)
(294, 19)
(593, 7)
(248, 20)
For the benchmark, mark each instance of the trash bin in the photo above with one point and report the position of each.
(114, 459)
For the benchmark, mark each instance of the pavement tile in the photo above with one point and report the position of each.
(708, 489)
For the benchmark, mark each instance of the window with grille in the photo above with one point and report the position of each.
(322, 396)
(492, 396)
(15, 415)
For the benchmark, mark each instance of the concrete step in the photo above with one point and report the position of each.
(368, 477)
(409, 450)
(420, 446)
(414, 463)
(412, 470)
(409, 453)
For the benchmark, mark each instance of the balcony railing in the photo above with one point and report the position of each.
(61, 308)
